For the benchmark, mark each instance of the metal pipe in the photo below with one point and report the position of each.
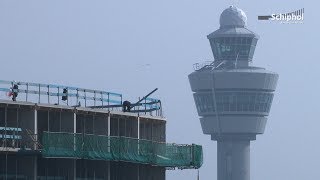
(39, 94)
(27, 92)
(109, 101)
(145, 97)
(48, 94)
(58, 94)
(85, 98)
(77, 96)
(101, 98)
(35, 127)
(67, 97)
(145, 106)
(94, 98)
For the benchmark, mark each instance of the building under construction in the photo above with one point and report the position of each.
(58, 132)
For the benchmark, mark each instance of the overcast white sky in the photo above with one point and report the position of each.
(132, 47)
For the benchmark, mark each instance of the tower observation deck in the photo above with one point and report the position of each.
(233, 98)
(60, 132)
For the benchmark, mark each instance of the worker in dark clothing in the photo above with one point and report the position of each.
(15, 89)
(126, 106)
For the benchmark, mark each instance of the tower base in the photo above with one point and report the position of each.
(234, 157)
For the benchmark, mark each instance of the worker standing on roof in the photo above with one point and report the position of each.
(14, 91)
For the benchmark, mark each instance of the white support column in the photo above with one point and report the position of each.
(74, 122)
(138, 165)
(35, 131)
(109, 134)
(138, 134)
(74, 145)
(74, 130)
(109, 130)
(109, 123)
(138, 127)
(5, 129)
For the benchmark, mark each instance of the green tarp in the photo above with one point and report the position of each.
(95, 147)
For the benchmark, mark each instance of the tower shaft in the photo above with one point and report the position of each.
(233, 160)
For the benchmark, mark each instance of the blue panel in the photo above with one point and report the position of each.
(10, 129)
(10, 136)
(115, 94)
(152, 99)
(114, 101)
(5, 82)
(5, 89)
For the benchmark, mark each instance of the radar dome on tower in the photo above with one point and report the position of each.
(233, 17)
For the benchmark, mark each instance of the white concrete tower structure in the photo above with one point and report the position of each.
(233, 98)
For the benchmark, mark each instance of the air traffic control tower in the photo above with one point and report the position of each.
(233, 98)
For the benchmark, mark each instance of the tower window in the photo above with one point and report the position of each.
(240, 101)
(231, 48)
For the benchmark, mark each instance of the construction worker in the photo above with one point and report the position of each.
(126, 106)
(14, 91)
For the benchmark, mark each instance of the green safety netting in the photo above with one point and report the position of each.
(97, 147)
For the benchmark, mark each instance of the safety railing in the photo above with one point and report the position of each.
(203, 65)
(149, 106)
(73, 96)
(58, 94)
(96, 147)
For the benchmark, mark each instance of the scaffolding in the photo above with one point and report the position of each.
(98, 147)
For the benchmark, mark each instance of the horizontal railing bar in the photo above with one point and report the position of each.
(5, 89)
(37, 85)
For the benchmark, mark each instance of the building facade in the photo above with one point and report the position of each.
(43, 137)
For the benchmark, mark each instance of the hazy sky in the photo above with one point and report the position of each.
(132, 47)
